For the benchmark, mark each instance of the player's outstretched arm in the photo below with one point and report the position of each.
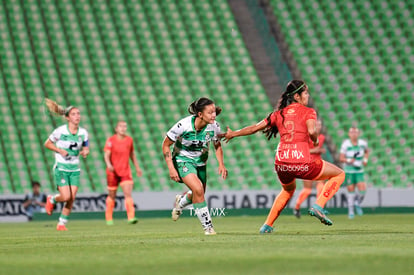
(246, 131)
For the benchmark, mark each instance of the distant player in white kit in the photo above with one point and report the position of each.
(354, 156)
(191, 137)
(68, 142)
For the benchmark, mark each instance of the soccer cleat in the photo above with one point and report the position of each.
(133, 221)
(318, 212)
(358, 210)
(110, 222)
(351, 216)
(209, 231)
(177, 211)
(49, 205)
(266, 229)
(296, 212)
(61, 227)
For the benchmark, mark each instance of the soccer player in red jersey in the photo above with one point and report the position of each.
(295, 123)
(118, 150)
(315, 153)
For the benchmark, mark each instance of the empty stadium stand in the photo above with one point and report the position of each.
(356, 57)
(140, 61)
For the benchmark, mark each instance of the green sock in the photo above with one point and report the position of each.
(200, 205)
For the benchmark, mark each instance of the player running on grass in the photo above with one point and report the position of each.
(354, 155)
(315, 153)
(191, 137)
(296, 124)
(68, 142)
(119, 148)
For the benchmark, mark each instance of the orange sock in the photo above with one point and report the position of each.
(129, 205)
(278, 205)
(110, 204)
(330, 188)
(319, 187)
(302, 197)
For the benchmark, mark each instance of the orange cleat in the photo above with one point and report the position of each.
(61, 227)
(49, 205)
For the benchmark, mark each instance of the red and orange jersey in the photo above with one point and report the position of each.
(294, 136)
(321, 142)
(121, 150)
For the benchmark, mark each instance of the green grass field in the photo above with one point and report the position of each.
(372, 244)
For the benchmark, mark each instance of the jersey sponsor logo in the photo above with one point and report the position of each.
(290, 154)
(185, 169)
(330, 190)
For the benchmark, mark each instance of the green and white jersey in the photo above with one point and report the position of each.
(355, 152)
(190, 145)
(72, 143)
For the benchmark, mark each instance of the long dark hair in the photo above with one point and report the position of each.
(292, 88)
(198, 106)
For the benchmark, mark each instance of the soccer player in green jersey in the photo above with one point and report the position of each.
(68, 141)
(354, 156)
(191, 137)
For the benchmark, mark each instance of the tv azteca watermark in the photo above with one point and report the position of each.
(214, 212)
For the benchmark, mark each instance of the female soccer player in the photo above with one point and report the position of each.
(191, 137)
(315, 153)
(354, 155)
(68, 142)
(119, 148)
(296, 124)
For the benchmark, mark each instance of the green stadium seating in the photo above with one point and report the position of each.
(139, 61)
(353, 54)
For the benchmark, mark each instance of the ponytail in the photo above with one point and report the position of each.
(293, 87)
(57, 109)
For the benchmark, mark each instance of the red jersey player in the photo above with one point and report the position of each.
(315, 153)
(119, 149)
(296, 124)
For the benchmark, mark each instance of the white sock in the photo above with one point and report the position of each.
(204, 217)
(53, 199)
(63, 221)
(351, 201)
(184, 199)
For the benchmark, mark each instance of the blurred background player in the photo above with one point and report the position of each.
(354, 156)
(296, 124)
(35, 201)
(191, 137)
(119, 148)
(315, 153)
(68, 142)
